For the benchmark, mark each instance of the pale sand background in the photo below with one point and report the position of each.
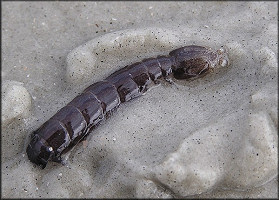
(214, 137)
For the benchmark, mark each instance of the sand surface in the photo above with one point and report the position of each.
(212, 137)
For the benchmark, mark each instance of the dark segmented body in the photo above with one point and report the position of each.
(74, 121)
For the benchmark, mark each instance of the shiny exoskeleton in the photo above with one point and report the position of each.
(77, 119)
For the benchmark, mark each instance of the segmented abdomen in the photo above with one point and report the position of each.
(71, 123)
